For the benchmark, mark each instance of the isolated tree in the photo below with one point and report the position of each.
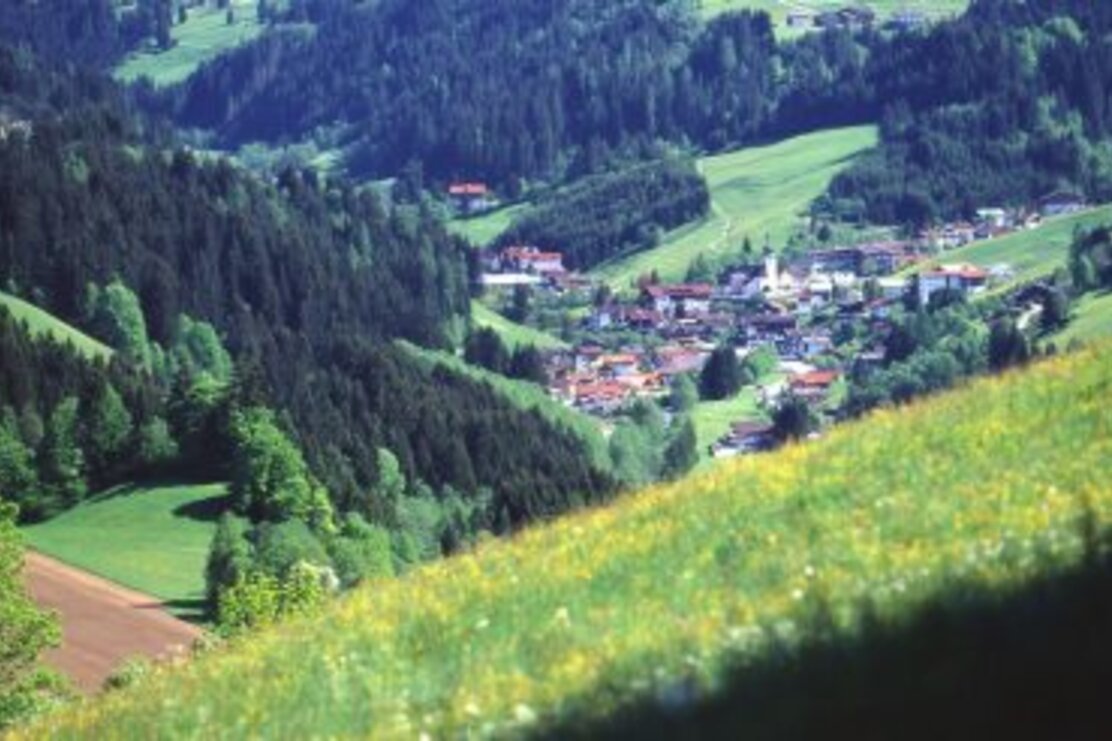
(1056, 310)
(1007, 346)
(721, 377)
(793, 419)
(117, 318)
(684, 396)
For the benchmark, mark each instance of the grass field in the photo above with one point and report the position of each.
(655, 598)
(43, 324)
(1031, 253)
(713, 419)
(204, 36)
(154, 539)
(512, 334)
(759, 192)
(1091, 320)
(527, 396)
(482, 230)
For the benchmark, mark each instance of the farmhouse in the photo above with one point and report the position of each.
(961, 278)
(531, 260)
(471, 198)
(1061, 203)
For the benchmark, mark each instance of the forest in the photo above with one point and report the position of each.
(304, 281)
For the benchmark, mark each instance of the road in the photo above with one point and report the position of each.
(103, 624)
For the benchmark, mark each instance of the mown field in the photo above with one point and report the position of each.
(204, 36)
(759, 192)
(1090, 320)
(512, 333)
(662, 597)
(43, 324)
(528, 396)
(154, 539)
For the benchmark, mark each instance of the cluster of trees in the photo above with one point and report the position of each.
(1090, 265)
(605, 216)
(647, 447)
(485, 349)
(506, 90)
(931, 350)
(25, 632)
(1000, 106)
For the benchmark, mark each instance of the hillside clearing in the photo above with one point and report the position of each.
(667, 590)
(205, 35)
(151, 538)
(759, 192)
(512, 333)
(482, 230)
(43, 324)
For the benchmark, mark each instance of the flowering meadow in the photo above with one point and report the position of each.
(668, 588)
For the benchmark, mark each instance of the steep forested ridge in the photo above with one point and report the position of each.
(503, 89)
(305, 280)
(999, 107)
(91, 33)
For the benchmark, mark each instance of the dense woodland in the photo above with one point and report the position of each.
(605, 216)
(304, 281)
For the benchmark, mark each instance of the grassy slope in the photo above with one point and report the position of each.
(655, 595)
(713, 419)
(526, 396)
(43, 324)
(1091, 320)
(139, 537)
(204, 36)
(1031, 253)
(512, 334)
(482, 230)
(755, 192)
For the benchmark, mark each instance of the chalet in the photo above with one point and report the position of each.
(885, 258)
(642, 384)
(684, 299)
(892, 289)
(471, 198)
(993, 218)
(531, 260)
(600, 397)
(586, 357)
(745, 437)
(769, 327)
(1061, 203)
(813, 386)
(961, 278)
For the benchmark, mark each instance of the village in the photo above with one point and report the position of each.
(818, 312)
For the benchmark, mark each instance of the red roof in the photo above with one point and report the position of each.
(530, 254)
(965, 272)
(468, 189)
(815, 379)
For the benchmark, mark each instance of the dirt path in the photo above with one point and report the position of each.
(103, 624)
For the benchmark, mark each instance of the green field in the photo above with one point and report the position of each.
(1091, 320)
(151, 538)
(713, 419)
(204, 36)
(43, 324)
(667, 591)
(1032, 253)
(527, 396)
(759, 192)
(482, 230)
(512, 333)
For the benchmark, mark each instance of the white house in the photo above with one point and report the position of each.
(962, 278)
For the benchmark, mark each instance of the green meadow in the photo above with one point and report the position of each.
(154, 539)
(512, 333)
(43, 324)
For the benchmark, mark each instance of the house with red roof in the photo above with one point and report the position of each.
(470, 198)
(962, 278)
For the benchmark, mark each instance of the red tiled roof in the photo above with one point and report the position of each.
(682, 290)
(966, 272)
(815, 379)
(468, 189)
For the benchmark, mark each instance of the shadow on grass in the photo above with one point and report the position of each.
(190, 610)
(1031, 663)
(205, 510)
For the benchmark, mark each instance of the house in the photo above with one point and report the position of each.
(684, 299)
(801, 18)
(532, 260)
(962, 278)
(471, 198)
(769, 328)
(509, 280)
(677, 360)
(743, 438)
(892, 289)
(1061, 203)
(813, 386)
(619, 364)
(600, 397)
(993, 218)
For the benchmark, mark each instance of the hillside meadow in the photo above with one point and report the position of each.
(44, 324)
(661, 597)
(762, 193)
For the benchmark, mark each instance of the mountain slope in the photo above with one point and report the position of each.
(659, 595)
